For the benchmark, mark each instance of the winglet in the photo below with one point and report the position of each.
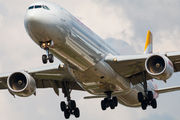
(148, 46)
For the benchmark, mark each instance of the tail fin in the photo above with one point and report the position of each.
(149, 43)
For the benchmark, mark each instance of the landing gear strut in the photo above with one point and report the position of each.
(109, 102)
(148, 98)
(70, 107)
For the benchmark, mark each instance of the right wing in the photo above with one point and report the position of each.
(47, 77)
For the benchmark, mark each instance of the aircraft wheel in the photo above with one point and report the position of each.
(111, 103)
(140, 96)
(66, 114)
(144, 105)
(103, 105)
(150, 95)
(73, 105)
(115, 101)
(76, 112)
(154, 104)
(63, 106)
(44, 59)
(51, 58)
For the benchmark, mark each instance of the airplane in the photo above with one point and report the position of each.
(88, 64)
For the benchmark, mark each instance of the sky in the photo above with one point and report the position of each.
(123, 24)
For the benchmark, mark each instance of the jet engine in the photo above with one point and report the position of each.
(22, 84)
(159, 67)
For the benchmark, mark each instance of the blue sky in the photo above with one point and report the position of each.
(122, 23)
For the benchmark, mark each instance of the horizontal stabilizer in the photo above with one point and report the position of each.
(169, 89)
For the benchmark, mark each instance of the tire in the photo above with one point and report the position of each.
(106, 102)
(51, 58)
(44, 59)
(111, 102)
(144, 105)
(115, 101)
(154, 104)
(66, 114)
(103, 105)
(76, 112)
(150, 95)
(73, 105)
(63, 106)
(140, 97)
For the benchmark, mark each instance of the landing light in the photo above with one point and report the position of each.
(44, 44)
(114, 59)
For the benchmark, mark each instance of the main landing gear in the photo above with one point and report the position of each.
(70, 108)
(109, 102)
(148, 98)
(47, 56)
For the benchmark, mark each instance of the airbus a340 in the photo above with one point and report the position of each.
(89, 64)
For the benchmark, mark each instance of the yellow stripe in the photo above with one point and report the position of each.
(148, 39)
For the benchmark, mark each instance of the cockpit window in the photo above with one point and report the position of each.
(38, 6)
(46, 7)
(31, 7)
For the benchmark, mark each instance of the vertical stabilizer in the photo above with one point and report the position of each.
(149, 43)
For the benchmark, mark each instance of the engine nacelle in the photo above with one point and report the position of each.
(22, 84)
(159, 67)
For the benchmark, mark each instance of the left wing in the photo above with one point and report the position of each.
(46, 77)
(132, 66)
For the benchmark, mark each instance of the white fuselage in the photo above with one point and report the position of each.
(81, 50)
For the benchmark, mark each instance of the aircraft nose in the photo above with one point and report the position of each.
(33, 18)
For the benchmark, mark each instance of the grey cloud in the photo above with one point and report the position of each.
(156, 15)
(159, 117)
(3, 10)
(121, 46)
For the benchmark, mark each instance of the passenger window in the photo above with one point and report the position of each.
(38, 6)
(31, 7)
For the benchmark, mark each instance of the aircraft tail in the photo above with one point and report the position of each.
(149, 43)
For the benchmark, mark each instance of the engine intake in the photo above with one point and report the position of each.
(159, 67)
(21, 84)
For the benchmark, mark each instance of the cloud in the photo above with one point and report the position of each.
(157, 16)
(1, 19)
(121, 46)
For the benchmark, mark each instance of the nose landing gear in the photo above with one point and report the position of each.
(47, 56)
